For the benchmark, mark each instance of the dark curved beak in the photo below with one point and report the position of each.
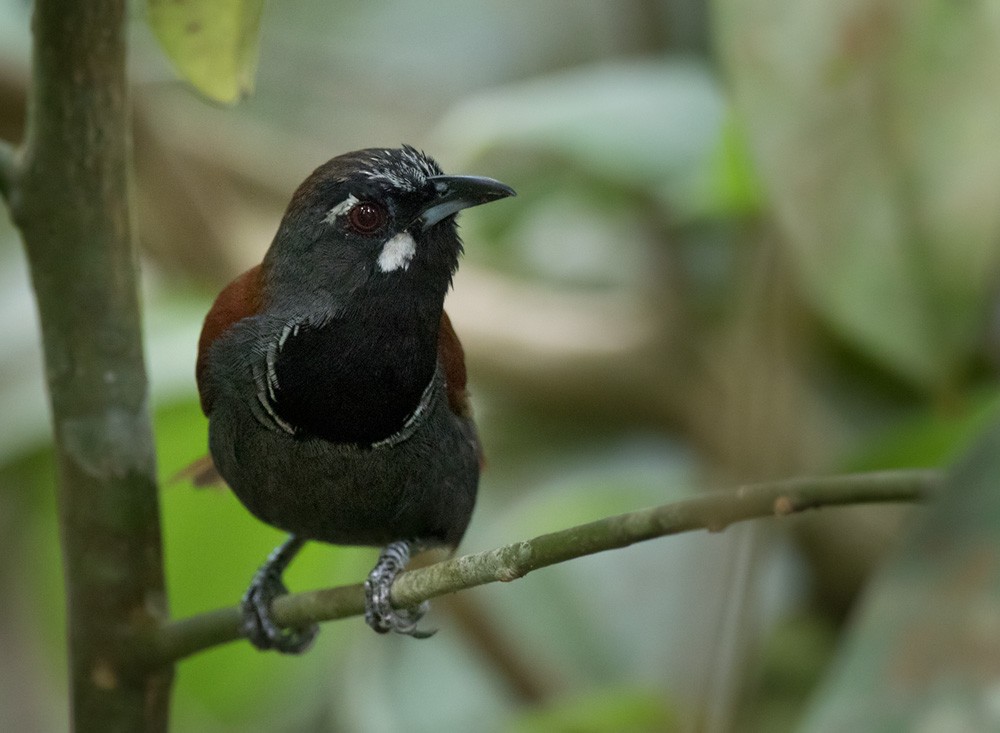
(454, 193)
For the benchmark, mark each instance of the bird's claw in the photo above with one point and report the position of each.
(256, 622)
(379, 612)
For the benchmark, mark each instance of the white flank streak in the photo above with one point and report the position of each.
(342, 208)
(285, 333)
(274, 416)
(397, 253)
(272, 374)
(264, 389)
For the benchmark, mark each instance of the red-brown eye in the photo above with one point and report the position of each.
(367, 217)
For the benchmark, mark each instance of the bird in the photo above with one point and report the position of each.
(335, 385)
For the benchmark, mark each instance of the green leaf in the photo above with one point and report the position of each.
(211, 43)
(732, 183)
(873, 127)
(652, 124)
(931, 437)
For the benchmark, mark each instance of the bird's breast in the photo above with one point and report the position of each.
(348, 382)
(422, 487)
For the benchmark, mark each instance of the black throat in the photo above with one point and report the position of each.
(358, 378)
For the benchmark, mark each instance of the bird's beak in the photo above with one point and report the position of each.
(454, 193)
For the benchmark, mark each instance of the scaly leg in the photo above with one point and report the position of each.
(257, 624)
(379, 613)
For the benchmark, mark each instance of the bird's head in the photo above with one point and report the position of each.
(374, 220)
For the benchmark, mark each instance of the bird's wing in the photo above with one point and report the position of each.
(238, 300)
(200, 473)
(241, 299)
(452, 358)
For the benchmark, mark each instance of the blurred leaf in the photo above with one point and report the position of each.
(603, 711)
(930, 439)
(923, 653)
(874, 127)
(643, 124)
(211, 43)
(26, 424)
(792, 662)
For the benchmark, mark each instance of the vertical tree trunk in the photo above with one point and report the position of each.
(69, 194)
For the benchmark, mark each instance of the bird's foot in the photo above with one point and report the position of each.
(256, 623)
(379, 613)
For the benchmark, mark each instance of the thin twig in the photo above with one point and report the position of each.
(712, 511)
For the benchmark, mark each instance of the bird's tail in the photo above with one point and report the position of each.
(201, 473)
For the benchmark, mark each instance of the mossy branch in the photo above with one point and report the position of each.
(712, 511)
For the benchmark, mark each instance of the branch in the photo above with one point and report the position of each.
(712, 511)
(72, 204)
(8, 169)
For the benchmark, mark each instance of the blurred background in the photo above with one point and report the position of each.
(752, 240)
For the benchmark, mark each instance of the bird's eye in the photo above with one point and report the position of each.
(367, 217)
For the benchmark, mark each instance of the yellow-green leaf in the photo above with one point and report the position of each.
(211, 43)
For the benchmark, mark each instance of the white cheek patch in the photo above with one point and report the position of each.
(342, 208)
(397, 253)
